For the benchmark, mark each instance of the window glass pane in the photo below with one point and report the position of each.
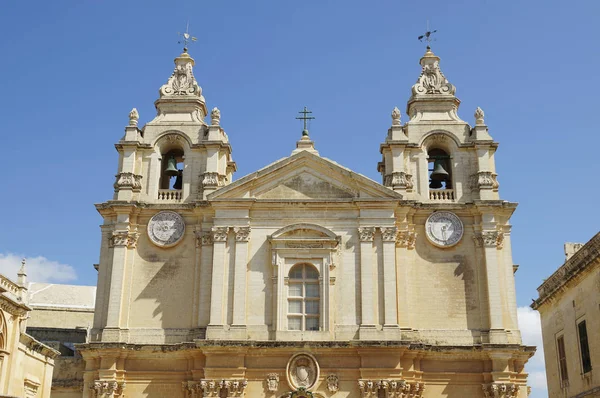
(312, 290)
(586, 362)
(296, 272)
(295, 290)
(294, 323)
(295, 307)
(312, 323)
(312, 307)
(311, 272)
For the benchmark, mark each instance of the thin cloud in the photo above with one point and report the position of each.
(39, 269)
(531, 332)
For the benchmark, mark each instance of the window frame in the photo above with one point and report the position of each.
(563, 372)
(584, 351)
(303, 299)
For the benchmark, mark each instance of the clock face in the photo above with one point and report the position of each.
(166, 228)
(444, 229)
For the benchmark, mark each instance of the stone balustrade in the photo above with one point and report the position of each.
(441, 195)
(170, 195)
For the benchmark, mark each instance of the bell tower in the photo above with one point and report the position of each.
(437, 157)
(168, 166)
(177, 157)
(447, 167)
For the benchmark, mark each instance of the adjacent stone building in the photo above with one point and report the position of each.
(26, 364)
(306, 278)
(569, 305)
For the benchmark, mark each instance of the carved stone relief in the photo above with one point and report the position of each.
(432, 80)
(107, 389)
(123, 238)
(333, 383)
(501, 390)
(215, 388)
(302, 371)
(483, 180)
(128, 181)
(392, 388)
(219, 234)
(366, 234)
(407, 239)
(399, 180)
(242, 234)
(489, 239)
(272, 382)
(388, 234)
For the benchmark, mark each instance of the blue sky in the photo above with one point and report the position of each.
(73, 70)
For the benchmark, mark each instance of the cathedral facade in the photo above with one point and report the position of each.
(305, 278)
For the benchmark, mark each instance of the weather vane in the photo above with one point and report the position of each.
(427, 36)
(186, 38)
(305, 112)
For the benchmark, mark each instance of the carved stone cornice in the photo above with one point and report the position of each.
(400, 180)
(107, 388)
(366, 234)
(576, 265)
(219, 234)
(389, 234)
(484, 180)
(128, 181)
(123, 238)
(215, 388)
(395, 388)
(242, 234)
(489, 239)
(501, 390)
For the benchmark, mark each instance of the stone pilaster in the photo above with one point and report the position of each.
(120, 241)
(242, 236)
(366, 236)
(219, 236)
(491, 242)
(388, 236)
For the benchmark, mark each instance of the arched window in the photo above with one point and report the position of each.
(171, 176)
(440, 172)
(303, 298)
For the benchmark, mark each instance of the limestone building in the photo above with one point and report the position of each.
(568, 303)
(305, 278)
(26, 365)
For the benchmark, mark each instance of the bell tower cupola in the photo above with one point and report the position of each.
(436, 156)
(177, 157)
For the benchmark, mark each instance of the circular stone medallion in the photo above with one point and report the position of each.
(444, 229)
(166, 228)
(302, 371)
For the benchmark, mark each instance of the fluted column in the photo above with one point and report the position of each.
(242, 236)
(366, 235)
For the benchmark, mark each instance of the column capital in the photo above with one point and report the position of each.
(127, 180)
(365, 234)
(389, 234)
(242, 234)
(123, 238)
(489, 239)
(407, 238)
(219, 234)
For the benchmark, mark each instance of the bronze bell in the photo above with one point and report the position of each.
(171, 169)
(438, 175)
(178, 180)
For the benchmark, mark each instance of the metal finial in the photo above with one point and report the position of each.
(305, 112)
(186, 37)
(427, 36)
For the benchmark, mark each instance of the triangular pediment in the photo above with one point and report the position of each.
(304, 176)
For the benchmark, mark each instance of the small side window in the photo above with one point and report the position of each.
(584, 348)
